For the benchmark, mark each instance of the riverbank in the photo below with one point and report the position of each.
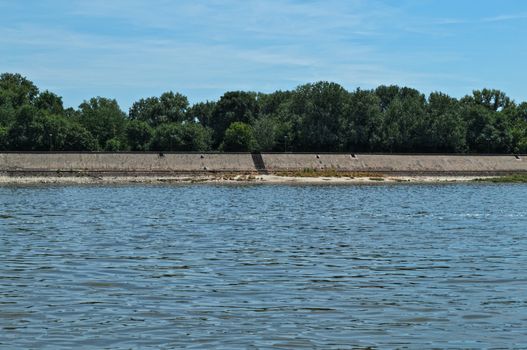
(235, 179)
(337, 168)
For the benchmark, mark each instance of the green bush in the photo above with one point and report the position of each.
(239, 137)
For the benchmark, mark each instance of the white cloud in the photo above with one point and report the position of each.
(202, 50)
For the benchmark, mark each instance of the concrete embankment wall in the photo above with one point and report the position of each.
(405, 164)
(129, 163)
(125, 162)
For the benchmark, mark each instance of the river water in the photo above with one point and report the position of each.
(226, 267)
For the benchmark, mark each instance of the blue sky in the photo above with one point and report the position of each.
(129, 49)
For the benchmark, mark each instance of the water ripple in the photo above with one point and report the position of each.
(137, 267)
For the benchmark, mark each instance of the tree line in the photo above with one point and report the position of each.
(318, 117)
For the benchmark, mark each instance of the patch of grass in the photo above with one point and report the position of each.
(514, 178)
(330, 172)
(376, 179)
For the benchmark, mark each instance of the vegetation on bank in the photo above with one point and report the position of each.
(313, 117)
(329, 172)
(514, 178)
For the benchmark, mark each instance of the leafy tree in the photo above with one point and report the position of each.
(363, 120)
(265, 132)
(138, 134)
(72, 114)
(7, 111)
(446, 130)
(147, 110)
(174, 106)
(239, 137)
(386, 95)
(270, 104)
(201, 112)
(17, 90)
(314, 117)
(114, 145)
(104, 119)
(491, 99)
(4, 133)
(234, 106)
(50, 102)
(168, 108)
(321, 108)
(180, 137)
(520, 113)
(21, 135)
(34, 131)
(487, 131)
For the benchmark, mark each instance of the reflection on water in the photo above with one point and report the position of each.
(265, 266)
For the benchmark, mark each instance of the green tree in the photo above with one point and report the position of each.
(174, 106)
(270, 104)
(147, 110)
(4, 134)
(362, 127)
(114, 145)
(405, 122)
(239, 137)
(446, 129)
(17, 90)
(487, 131)
(265, 132)
(21, 135)
(180, 137)
(234, 106)
(49, 102)
(37, 131)
(201, 112)
(386, 95)
(321, 108)
(103, 118)
(7, 111)
(491, 99)
(170, 107)
(138, 134)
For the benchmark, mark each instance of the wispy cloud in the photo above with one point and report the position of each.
(498, 18)
(129, 49)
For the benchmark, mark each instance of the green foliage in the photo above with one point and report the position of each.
(321, 108)
(104, 119)
(48, 101)
(316, 117)
(271, 103)
(168, 108)
(491, 99)
(272, 133)
(114, 145)
(265, 131)
(513, 178)
(138, 134)
(202, 113)
(362, 124)
(36, 131)
(234, 106)
(7, 112)
(17, 90)
(180, 137)
(239, 137)
(4, 138)
(22, 135)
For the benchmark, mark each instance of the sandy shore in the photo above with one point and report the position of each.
(229, 179)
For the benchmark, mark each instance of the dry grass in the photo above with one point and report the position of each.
(331, 172)
(514, 178)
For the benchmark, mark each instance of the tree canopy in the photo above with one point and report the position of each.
(317, 117)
